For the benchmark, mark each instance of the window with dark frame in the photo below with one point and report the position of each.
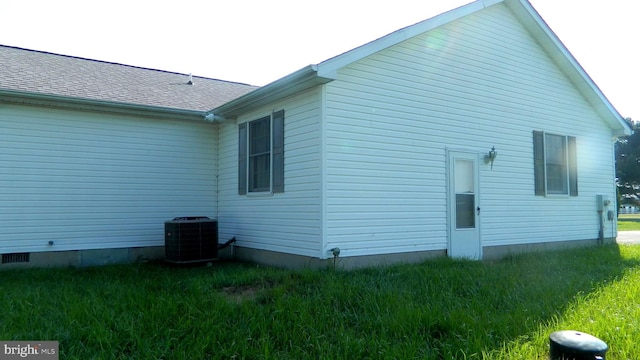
(261, 155)
(555, 164)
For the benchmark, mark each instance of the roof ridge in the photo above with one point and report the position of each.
(120, 64)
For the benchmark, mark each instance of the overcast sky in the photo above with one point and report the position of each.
(259, 41)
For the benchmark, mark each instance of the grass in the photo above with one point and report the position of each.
(629, 222)
(440, 309)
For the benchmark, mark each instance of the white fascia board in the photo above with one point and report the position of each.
(331, 66)
(291, 84)
(112, 107)
(554, 47)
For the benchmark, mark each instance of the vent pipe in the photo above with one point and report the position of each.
(190, 82)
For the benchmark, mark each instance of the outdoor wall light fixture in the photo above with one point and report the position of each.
(491, 156)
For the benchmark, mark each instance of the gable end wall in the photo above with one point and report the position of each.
(479, 82)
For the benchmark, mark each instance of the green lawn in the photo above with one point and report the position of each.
(440, 309)
(629, 222)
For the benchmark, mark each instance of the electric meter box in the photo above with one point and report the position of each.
(602, 202)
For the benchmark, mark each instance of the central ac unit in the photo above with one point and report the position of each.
(191, 239)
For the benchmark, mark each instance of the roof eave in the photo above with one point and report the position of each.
(291, 84)
(327, 70)
(112, 107)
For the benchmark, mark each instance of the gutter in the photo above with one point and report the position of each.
(291, 84)
(103, 106)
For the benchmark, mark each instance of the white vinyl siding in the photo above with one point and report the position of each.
(90, 181)
(365, 157)
(478, 82)
(285, 222)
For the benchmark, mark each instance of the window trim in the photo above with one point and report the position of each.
(251, 186)
(540, 165)
(276, 156)
(563, 164)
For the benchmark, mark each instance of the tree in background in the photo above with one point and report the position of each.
(628, 164)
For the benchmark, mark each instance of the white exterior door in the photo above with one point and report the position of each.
(464, 209)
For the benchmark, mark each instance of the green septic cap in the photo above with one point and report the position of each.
(578, 341)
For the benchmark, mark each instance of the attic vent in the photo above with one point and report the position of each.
(15, 258)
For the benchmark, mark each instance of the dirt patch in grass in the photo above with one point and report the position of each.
(240, 294)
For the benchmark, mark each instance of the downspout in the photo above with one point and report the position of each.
(616, 206)
(603, 202)
(601, 230)
(217, 122)
(217, 169)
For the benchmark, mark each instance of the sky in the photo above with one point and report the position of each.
(259, 41)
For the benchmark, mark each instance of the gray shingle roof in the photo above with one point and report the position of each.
(54, 74)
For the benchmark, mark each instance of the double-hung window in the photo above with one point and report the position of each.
(261, 155)
(555, 164)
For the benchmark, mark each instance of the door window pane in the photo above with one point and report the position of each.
(465, 194)
(465, 207)
(464, 176)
